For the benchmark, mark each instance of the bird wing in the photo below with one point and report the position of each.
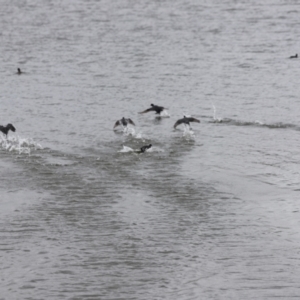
(194, 120)
(117, 124)
(178, 122)
(147, 110)
(131, 122)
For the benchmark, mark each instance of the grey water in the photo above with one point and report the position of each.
(211, 211)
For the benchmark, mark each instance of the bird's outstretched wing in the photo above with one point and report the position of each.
(130, 122)
(193, 120)
(117, 124)
(147, 110)
(178, 122)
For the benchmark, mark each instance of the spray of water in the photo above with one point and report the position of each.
(126, 149)
(188, 133)
(164, 114)
(128, 131)
(216, 119)
(19, 145)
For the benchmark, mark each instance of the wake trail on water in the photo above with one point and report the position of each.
(256, 123)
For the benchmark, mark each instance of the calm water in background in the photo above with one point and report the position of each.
(211, 213)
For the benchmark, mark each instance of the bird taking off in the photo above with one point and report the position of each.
(124, 122)
(185, 120)
(156, 108)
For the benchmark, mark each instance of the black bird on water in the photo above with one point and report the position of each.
(124, 122)
(156, 108)
(19, 71)
(186, 120)
(6, 128)
(144, 148)
(294, 56)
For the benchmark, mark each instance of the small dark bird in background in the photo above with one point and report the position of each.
(156, 108)
(6, 128)
(185, 120)
(146, 147)
(294, 56)
(19, 71)
(124, 122)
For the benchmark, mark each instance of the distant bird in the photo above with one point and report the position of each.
(19, 71)
(124, 122)
(185, 120)
(144, 148)
(156, 108)
(6, 128)
(294, 56)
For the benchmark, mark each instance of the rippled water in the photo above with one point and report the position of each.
(210, 212)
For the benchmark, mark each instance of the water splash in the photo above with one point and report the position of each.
(18, 144)
(126, 149)
(164, 114)
(188, 133)
(259, 122)
(215, 118)
(129, 131)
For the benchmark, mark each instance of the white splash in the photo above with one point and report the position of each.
(20, 145)
(126, 149)
(155, 149)
(259, 122)
(188, 133)
(216, 119)
(128, 131)
(164, 114)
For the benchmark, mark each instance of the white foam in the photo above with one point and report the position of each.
(20, 145)
(155, 149)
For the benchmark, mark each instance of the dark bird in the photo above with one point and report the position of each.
(185, 120)
(6, 128)
(124, 122)
(156, 108)
(19, 71)
(146, 147)
(294, 56)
